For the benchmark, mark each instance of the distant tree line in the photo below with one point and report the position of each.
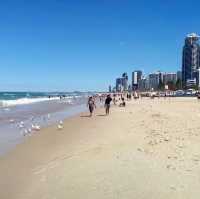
(171, 85)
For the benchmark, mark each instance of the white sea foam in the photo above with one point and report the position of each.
(22, 101)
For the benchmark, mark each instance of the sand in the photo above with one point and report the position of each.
(147, 150)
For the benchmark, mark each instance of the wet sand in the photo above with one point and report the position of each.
(15, 121)
(148, 150)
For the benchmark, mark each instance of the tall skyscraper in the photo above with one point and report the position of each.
(136, 77)
(191, 58)
(119, 86)
(110, 89)
(143, 84)
(154, 80)
(125, 81)
(179, 75)
(198, 78)
(161, 76)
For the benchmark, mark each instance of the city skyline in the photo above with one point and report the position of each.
(144, 82)
(186, 78)
(67, 46)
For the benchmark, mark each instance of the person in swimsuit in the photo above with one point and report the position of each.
(91, 105)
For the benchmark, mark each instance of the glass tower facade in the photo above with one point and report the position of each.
(190, 58)
(136, 77)
(125, 81)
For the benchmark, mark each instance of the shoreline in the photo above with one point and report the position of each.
(149, 149)
(16, 123)
(33, 151)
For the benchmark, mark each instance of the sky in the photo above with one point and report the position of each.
(61, 45)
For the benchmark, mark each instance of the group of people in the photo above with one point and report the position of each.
(118, 99)
(107, 99)
(92, 105)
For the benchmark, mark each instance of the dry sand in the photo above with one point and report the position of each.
(148, 150)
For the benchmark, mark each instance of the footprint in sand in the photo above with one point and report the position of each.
(45, 168)
(140, 149)
(173, 188)
(195, 160)
(170, 167)
(188, 170)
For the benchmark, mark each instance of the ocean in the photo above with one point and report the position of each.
(20, 112)
(19, 98)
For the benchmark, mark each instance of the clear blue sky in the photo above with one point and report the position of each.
(48, 45)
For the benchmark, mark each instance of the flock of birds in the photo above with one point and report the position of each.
(34, 127)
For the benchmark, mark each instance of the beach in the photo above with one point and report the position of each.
(146, 150)
(20, 111)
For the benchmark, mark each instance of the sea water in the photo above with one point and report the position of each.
(20, 111)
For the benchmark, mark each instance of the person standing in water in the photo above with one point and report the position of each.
(107, 104)
(91, 104)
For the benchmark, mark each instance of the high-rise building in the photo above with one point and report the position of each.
(198, 78)
(129, 88)
(191, 58)
(136, 77)
(191, 83)
(179, 75)
(161, 77)
(143, 84)
(154, 80)
(125, 81)
(114, 89)
(169, 77)
(110, 89)
(119, 86)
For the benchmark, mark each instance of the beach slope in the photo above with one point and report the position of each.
(147, 150)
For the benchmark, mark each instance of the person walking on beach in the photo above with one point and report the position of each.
(91, 104)
(107, 104)
(114, 99)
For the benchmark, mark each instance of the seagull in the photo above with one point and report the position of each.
(35, 127)
(60, 127)
(24, 133)
(61, 122)
(21, 126)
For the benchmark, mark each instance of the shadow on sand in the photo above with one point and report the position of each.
(101, 115)
(85, 116)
